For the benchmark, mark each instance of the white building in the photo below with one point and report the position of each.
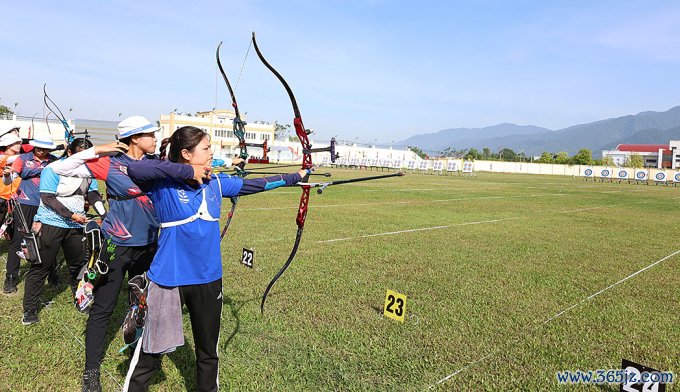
(219, 125)
(653, 155)
(98, 131)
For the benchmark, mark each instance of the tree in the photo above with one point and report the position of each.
(453, 152)
(486, 153)
(449, 152)
(562, 158)
(5, 111)
(280, 130)
(418, 151)
(507, 154)
(633, 160)
(583, 157)
(546, 157)
(636, 160)
(472, 154)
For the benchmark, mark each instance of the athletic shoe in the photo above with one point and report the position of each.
(30, 317)
(10, 286)
(91, 381)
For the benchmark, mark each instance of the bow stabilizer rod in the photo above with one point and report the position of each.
(324, 185)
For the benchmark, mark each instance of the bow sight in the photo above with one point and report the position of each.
(331, 149)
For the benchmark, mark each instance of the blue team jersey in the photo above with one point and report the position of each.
(29, 168)
(189, 253)
(66, 191)
(131, 220)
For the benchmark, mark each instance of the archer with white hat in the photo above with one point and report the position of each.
(10, 148)
(14, 130)
(130, 227)
(28, 167)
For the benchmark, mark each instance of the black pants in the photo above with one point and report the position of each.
(133, 260)
(51, 238)
(4, 204)
(15, 244)
(204, 302)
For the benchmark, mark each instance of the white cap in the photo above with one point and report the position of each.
(45, 142)
(134, 125)
(9, 129)
(8, 139)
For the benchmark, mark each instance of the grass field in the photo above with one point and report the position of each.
(498, 270)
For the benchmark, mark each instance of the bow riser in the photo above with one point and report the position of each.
(302, 210)
(304, 140)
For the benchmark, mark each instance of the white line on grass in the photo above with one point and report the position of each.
(419, 229)
(499, 197)
(457, 224)
(514, 340)
(590, 208)
(409, 190)
(313, 206)
(610, 286)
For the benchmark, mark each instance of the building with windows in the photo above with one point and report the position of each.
(219, 125)
(653, 155)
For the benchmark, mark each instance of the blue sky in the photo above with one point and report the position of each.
(370, 70)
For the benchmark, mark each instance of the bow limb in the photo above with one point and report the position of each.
(298, 237)
(68, 132)
(32, 131)
(300, 130)
(302, 135)
(239, 132)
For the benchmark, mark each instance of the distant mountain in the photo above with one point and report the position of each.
(460, 137)
(647, 136)
(643, 128)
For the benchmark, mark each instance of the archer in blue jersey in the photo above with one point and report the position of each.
(188, 204)
(59, 224)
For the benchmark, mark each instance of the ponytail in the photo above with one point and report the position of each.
(164, 147)
(80, 143)
(185, 138)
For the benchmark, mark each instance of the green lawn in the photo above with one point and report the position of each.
(488, 265)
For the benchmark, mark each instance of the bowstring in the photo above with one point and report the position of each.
(244, 64)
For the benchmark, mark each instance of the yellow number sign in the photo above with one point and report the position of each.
(395, 305)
